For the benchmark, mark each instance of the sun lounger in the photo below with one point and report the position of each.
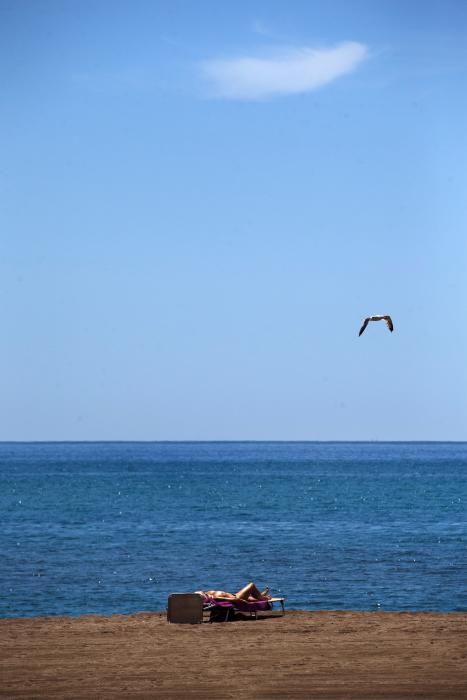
(216, 606)
(190, 608)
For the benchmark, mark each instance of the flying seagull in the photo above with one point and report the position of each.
(388, 320)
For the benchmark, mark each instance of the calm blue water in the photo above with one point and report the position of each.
(115, 527)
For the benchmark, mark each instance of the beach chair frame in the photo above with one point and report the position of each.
(190, 608)
(251, 608)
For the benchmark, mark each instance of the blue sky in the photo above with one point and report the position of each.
(201, 201)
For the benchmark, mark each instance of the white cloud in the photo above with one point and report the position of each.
(293, 71)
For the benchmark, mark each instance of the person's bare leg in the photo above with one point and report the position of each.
(247, 591)
(251, 592)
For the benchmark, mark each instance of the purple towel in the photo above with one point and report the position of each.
(241, 605)
(252, 605)
(208, 600)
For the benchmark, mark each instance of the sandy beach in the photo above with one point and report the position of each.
(302, 655)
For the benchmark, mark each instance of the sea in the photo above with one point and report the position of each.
(112, 528)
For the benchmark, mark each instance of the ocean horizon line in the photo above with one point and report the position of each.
(229, 442)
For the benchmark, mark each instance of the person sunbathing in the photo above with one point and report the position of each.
(247, 594)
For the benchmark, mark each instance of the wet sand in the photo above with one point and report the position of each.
(302, 655)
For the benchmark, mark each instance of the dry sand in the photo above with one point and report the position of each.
(302, 655)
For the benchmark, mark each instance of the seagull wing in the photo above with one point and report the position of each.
(389, 323)
(365, 323)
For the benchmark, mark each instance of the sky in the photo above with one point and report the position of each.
(200, 202)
